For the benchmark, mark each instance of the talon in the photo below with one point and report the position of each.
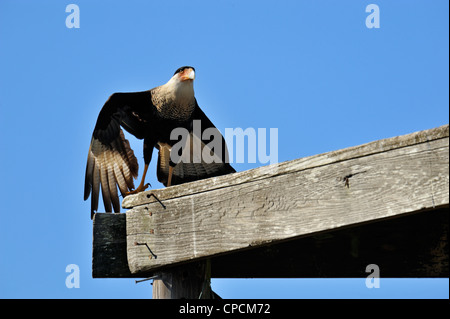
(141, 186)
(138, 190)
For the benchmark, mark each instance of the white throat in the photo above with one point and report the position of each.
(181, 90)
(175, 99)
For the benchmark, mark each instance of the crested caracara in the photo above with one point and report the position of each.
(151, 116)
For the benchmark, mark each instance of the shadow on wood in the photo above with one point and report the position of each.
(407, 247)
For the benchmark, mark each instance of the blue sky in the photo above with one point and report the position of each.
(312, 69)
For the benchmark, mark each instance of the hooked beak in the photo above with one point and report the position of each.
(187, 74)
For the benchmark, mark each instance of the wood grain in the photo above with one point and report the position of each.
(378, 180)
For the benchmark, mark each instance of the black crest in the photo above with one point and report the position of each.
(183, 68)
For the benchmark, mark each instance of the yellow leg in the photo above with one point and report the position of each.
(169, 180)
(141, 186)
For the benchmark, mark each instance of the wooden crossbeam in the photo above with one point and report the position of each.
(305, 197)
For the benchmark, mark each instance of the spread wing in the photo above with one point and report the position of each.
(111, 161)
(204, 153)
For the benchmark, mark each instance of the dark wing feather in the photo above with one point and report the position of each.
(111, 161)
(190, 170)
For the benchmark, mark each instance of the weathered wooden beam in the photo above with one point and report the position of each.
(109, 249)
(304, 197)
(264, 172)
(411, 246)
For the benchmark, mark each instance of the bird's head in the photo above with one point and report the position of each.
(182, 82)
(185, 73)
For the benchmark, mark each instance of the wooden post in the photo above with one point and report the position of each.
(184, 282)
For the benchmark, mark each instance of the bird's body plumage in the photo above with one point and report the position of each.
(149, 115)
